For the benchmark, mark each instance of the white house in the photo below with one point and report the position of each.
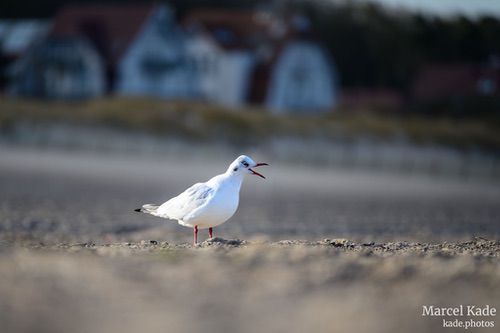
(221, 76)
(302, 78)
(155, 64)
(59, 69)
(16, 38)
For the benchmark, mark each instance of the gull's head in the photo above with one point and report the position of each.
(243, 165)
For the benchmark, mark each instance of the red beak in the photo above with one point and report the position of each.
(255, 172)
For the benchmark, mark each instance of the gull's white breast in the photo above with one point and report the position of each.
(218, 209)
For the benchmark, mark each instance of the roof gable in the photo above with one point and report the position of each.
(237, 29)
(111, 27)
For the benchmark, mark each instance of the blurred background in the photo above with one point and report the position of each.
(380, 118)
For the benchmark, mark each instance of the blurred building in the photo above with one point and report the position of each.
(443, 82)
(371, 99)
(16, 37)
(225, 56)
(251, 57)
(82, 53)
(155, 62)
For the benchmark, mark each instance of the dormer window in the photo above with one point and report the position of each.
(156, 66)
(486, 86)
(224, 36)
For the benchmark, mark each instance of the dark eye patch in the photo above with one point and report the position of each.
(245, 164)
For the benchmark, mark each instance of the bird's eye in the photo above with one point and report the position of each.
(235, 169)
(245, 164)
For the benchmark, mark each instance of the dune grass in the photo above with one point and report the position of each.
(202, 121)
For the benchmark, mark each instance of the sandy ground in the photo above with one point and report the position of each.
(233, 285)
(74, 257)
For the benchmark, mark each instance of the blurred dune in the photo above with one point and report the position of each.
(331, 285)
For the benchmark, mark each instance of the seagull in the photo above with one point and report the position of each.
(207, 205)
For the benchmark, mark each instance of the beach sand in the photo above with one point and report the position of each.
(244, 286)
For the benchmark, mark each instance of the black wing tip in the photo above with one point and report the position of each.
(137, 210)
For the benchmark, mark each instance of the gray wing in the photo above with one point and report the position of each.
(185, 203)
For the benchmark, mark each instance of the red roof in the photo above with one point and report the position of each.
(444, 81)
(238, 29)
(110, 27)
(361, 97)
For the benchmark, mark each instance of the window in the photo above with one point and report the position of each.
(155, 66)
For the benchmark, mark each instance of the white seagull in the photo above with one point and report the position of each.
(207, 205)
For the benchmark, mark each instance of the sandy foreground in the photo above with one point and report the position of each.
(244, 286)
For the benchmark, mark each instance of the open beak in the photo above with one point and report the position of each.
(255, 172)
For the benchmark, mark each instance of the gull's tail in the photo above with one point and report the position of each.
(148, 209)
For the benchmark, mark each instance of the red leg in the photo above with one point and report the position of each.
(210, 232)
(195, 235)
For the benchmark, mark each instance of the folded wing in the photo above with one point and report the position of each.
(192, 199)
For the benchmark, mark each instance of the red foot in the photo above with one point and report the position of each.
(195, 235)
